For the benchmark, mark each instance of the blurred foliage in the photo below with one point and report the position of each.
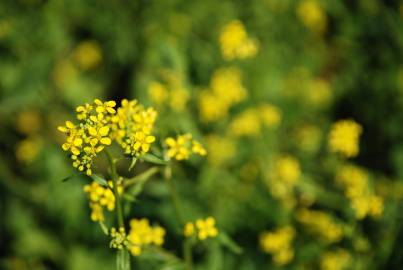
(269, 178)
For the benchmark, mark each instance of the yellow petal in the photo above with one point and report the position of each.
(66, 146)
(99, 148)
(75, 151)
(170, 141)
(98, 102)
(111, 103)
(150, 139)
(103, 131)
(69, 125)
(94, 141)
(92, 131)
(62, 129)
(106, 141)
(78, 141)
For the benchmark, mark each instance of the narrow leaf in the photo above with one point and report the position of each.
(227, 241)
(153, 159)
(99, 179)
(103, 227)
(134, 160)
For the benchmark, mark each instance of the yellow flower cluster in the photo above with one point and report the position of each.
(312, 16)
(250, 121)
(321, 224)
(86, 139)
(282, 177)
(142, 234)
(181, 147)
(344, 138)
(100, 197)
(235, 42)
(355, 182)
(225, 90)
(172, 92)
(203, 228)
(119, 238)
(338, 259)
(279, 244)
(132, 127)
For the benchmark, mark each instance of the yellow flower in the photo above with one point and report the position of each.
(226, 90)
(189, 229)
(318, 93)
(321, 224)
(269, 115)
(29, 122)
(142, 234)
(335, 260)
(278, 243)
(99, 197)
(85, 140)
(119, 239)
(28, 149)
(312, 15)
(158, 93)
(344, 138)
(206, 228)
(246, 123)
(235, 42)
(308, 138)
(88, 54)
(132, 127)
(181, 147)
(198, 148)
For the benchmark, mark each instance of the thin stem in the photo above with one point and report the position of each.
(187, 247)
(114, 175)
(174, 195)
(142, 176)
(187, 254)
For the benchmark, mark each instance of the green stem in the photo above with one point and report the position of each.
(187, 254)
(114, 176)
(187, 247)
(174, 195)
(141, 177)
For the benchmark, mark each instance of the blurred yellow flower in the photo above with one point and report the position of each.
(247, 123)
(189, 229)
(278, 243)
(344, 138)
(269, 115)
(29, 122)
(28, 149)
(338, 259)
(235, 43)
(318, 93)
(181, 147)
(221, 149)
(88, 54)
(312, 15)
(226, 90)
(321, 224)
(142, 234)
(206, 228)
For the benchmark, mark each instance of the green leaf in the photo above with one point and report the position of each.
(99, 179)
(227, 241)
(103, 227)
(134, 160)
(123, 260)
(153, 159)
